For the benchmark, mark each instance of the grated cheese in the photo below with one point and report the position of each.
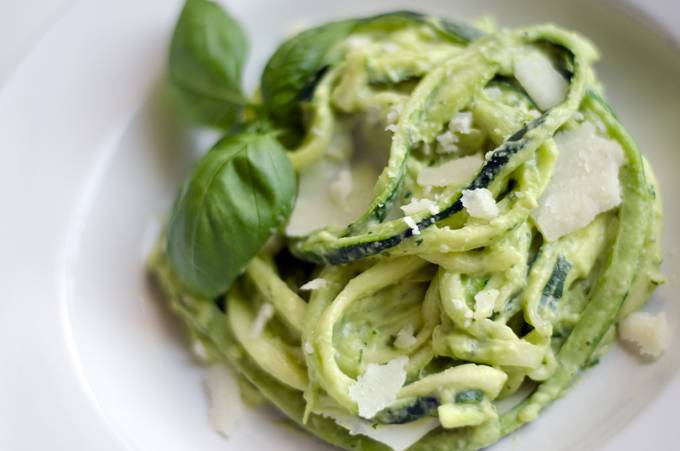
(314, 284)
(378, 386)
(412, 224)
(480, 203)
(461, 123)
(485, 301)
(447, 141)
(405, 337)
(263, 316)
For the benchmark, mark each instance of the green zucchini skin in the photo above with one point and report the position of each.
(420, 407)
(424, 406)
(554, 288)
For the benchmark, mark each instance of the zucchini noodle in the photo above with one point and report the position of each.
(474, 307)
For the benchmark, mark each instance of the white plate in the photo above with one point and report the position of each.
(91, 158)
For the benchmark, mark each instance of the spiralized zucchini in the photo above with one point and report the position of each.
(475, 307)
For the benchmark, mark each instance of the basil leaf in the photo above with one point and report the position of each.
(294, 70)
(207, 55)
(238, 195)
(296, 66)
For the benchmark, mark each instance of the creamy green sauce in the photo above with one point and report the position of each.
(549, 304)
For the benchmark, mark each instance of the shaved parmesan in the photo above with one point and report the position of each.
(584, 183)
(405, 337)
(397, 436)
(314, 284)
(544, 84)
(485, 301)
(455, 172)
(649, 333)
(378, 386)
(263, 316)
(224, 398)
(418, 205)
(330, 194)
(479, 203)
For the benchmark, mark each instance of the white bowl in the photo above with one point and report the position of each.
(92, 157)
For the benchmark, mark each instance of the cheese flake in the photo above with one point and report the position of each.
(544, 84)
(649, 333)
(397, 436)
(454, 172)
(584, 182)
(224, 398)
(419, 205)
(480, 203)
(378, 386)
